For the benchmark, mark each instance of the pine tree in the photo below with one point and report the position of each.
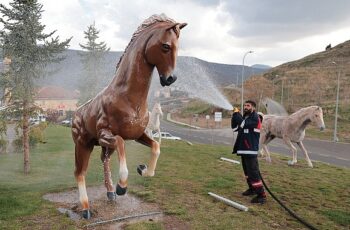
(93, 60)
(30, 50)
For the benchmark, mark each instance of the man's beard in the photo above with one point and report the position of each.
(247, 112)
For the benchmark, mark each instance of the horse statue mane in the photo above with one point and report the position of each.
(155, 18)
(291, 129)
(154, 121)
(120, 111)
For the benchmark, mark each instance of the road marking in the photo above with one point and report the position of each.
(343, 159)
(329, 156)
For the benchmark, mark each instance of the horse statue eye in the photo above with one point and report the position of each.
(166, 47)
(316, 115)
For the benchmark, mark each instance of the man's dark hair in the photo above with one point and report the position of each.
(251, 102)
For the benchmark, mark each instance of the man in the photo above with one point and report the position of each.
(247, 146)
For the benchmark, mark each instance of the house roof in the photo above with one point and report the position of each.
(56, 92)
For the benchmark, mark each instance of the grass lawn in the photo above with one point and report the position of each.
(184, 176)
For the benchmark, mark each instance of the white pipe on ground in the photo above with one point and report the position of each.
(230, 160)
(229, 202)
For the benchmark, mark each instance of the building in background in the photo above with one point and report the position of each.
(57, 98)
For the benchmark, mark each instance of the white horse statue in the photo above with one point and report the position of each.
(154, 121)
(291, 129)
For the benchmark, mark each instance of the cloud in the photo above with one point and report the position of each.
(271, 21)
(217, 31)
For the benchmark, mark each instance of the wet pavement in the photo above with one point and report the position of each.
(105, 214)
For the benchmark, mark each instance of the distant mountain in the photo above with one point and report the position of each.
(260, 66)
(68, 72)
(221, 74)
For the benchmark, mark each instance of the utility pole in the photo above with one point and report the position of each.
(335, 138)
(282, 92)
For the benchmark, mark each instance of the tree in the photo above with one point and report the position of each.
(93, 60)
(30, 50)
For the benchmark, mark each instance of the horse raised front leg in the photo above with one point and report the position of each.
(142, 169)
(294, 151)
(105, 158)
(82, 156)
(108, 140)
(301, 146)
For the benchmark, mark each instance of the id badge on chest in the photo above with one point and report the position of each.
(246, 130)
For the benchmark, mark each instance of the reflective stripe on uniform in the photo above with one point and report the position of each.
(247, 152)
(257, 184)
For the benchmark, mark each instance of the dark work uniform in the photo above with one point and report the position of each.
(247, 146)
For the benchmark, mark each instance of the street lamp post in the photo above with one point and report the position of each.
(249, 52)
(273, 86)
(335, 138)
(282, 91)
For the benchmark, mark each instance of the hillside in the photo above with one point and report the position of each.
(309, 80)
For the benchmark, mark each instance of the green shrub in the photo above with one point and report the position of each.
(18, 144)
(3, 145)
(36, 135)
(42, 125)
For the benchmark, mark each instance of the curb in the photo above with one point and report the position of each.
(168, 118)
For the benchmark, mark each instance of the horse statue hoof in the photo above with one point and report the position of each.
(120, 191)
(111, 195)
(291, 163)
(86, 214)
(141, 169)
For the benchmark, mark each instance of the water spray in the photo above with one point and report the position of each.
(195, 80)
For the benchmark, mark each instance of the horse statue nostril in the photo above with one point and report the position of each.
(171, 79)
(166, 81)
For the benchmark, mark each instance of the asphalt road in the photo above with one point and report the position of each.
(325, 151)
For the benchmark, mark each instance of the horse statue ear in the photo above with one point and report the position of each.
(182, 25)
(173, 26)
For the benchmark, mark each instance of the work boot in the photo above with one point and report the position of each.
(249, 192)
(259, 199)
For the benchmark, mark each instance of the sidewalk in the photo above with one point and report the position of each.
(225, 132)
(168, 118)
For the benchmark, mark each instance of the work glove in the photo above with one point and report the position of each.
(235, 110)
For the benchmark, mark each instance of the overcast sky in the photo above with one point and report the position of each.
(218, 30)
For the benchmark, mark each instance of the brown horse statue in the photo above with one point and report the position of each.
(291, 129)
(120, 111)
